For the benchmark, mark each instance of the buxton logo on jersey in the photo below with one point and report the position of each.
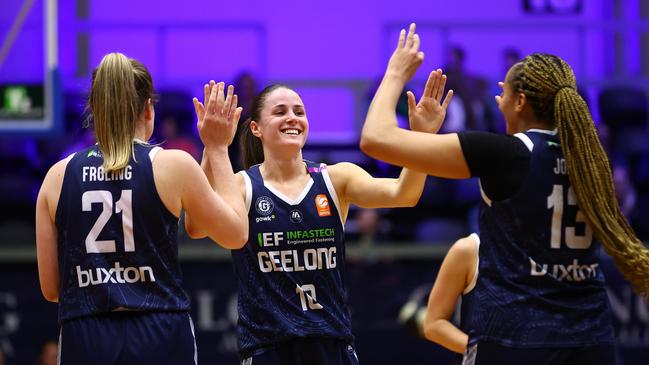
(264, 205)
(296, 216)
(116, 274)
(322, 203)
(574, 272)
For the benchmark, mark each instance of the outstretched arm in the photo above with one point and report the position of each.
(217, 122)
(354, 185)
(438, 155)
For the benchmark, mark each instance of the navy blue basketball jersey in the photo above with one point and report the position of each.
(467, 298)
(291, 273)
(117, 242)
(539, 282)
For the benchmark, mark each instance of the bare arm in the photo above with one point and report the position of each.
(46, 234)
(222, 115)
(456, 272)
(178, 176)
(354, 185)
(437, 155)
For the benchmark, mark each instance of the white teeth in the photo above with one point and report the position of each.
(292, 131)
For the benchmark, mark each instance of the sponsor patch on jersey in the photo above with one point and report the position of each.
(94, 153)
(553, 144)
(296, 216)
(322, 203)
(264, 205)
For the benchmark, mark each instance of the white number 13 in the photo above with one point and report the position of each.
(123, 205)
(573, 240)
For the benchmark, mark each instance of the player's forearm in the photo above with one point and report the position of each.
(444, 333)
(219, 171)
(410, 185)
(381, 116)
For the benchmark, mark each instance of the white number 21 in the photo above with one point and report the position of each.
(123, 205)
(573, 240)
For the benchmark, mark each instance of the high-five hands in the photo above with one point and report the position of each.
(428, 114)
(407, 58)
(219, 116)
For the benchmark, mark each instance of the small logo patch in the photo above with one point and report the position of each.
(296, 216)
(322, 203)
(94, 153)
(264, 205)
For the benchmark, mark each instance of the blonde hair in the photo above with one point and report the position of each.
(121, 88)
(549, 85)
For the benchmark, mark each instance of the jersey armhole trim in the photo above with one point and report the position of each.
(154, 151)
(474, 280)
(332, 191)
(525, 139)
(484, 196)
(248, 183)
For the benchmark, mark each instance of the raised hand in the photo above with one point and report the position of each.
(219, 116)
(407, 58)
(428, 115)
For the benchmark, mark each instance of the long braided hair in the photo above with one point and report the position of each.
(549, 85)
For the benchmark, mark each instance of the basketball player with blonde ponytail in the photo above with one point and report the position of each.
(107, 224)
(548, 202)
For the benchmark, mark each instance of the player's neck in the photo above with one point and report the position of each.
(283, 169)
(537, 125)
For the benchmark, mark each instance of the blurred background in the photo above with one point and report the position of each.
(333, 54)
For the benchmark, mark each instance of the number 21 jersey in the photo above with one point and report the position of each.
(117, 242)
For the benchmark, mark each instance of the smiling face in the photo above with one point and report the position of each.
(282, 123)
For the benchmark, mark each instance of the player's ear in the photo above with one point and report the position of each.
(521, 102)
(254, 128)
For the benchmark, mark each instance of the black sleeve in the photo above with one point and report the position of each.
(500, 161)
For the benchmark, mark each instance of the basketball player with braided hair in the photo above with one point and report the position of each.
(547, 193)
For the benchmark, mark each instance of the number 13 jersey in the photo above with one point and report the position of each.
(117, 242)
(539, 282)
(291, 273)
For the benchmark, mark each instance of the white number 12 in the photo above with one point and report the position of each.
(307, 297)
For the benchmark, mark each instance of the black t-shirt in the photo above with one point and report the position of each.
(500, 161)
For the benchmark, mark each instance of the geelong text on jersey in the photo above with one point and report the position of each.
(291, 260)
(116, 274)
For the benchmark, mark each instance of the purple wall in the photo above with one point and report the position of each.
(325, 46)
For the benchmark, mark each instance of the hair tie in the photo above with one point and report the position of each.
(564, 87)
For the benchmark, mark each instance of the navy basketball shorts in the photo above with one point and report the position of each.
(488, 353)
(129, 338)
(305, 351)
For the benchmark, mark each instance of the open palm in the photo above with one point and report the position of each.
(218, 115)
(428, 115)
